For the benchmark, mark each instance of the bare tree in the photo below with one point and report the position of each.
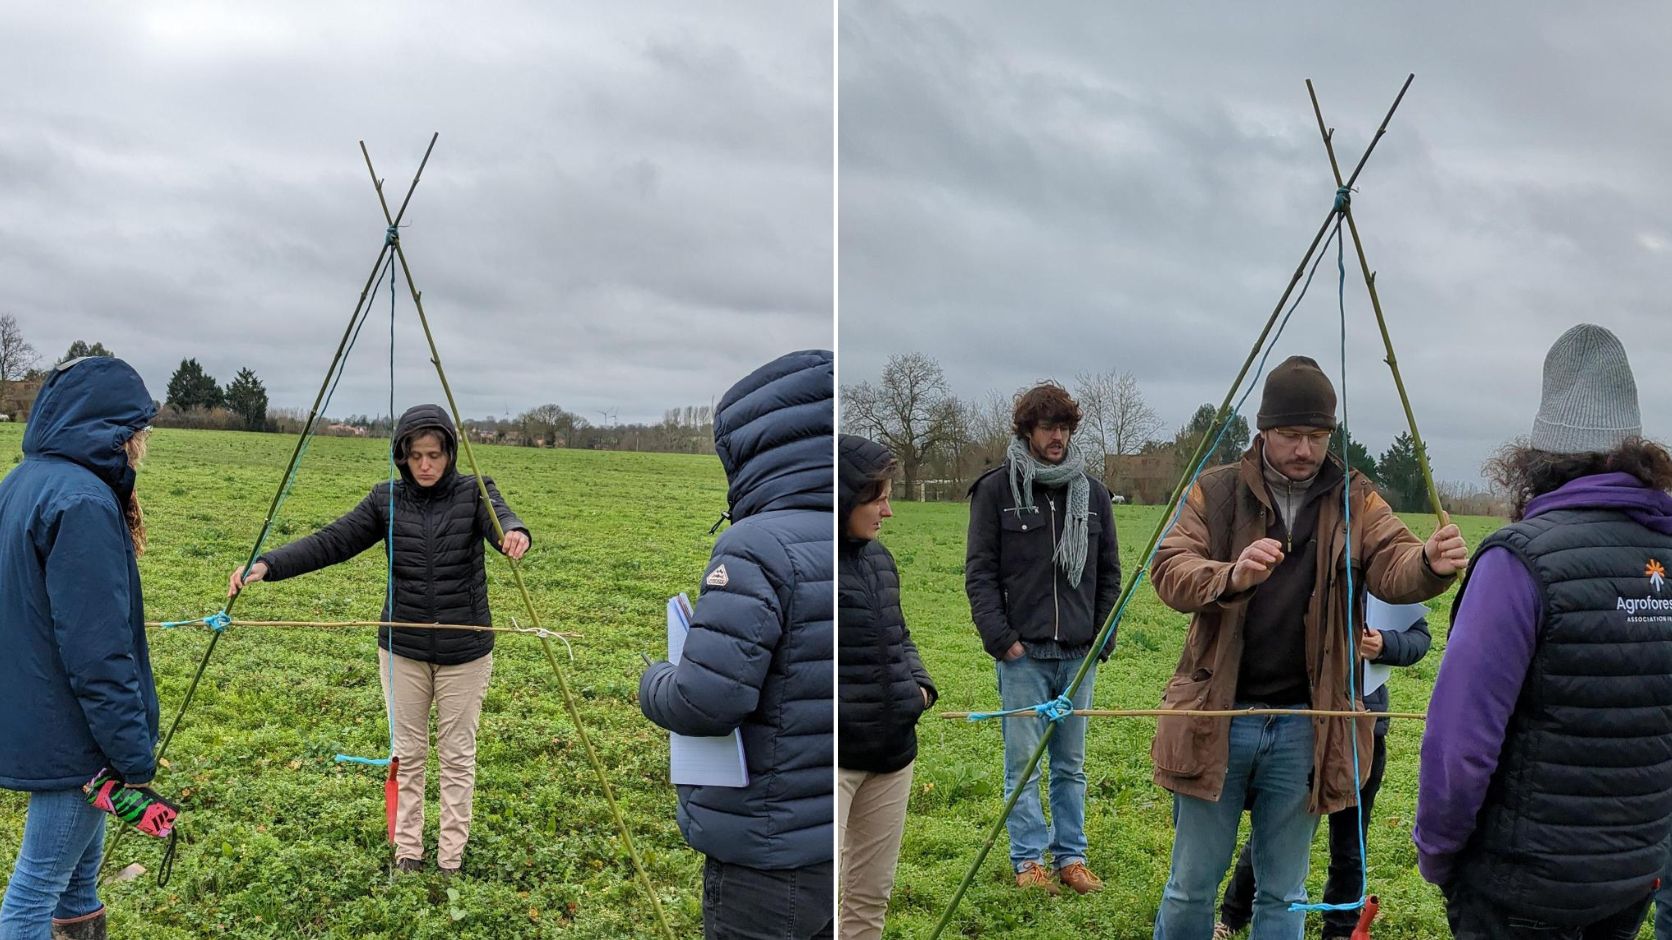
(1095, 393)
(910, 411)
(1132, 420)
(17, 357)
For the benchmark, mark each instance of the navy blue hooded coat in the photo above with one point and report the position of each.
(76, 673)
(758, 655)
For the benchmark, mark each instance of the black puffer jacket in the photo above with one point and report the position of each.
(880, 679)
(439, 530)
(758, 653)
(1016, 590)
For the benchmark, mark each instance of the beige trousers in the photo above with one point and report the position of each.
(456, 693)
(870, 819)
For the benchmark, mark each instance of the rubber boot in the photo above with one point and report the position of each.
(86, 927)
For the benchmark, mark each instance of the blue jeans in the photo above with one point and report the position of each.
(1028, 681)
(57, 867)
(1270, 759)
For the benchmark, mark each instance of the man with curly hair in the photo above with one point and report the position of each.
(1042, 572)
(1542, 802)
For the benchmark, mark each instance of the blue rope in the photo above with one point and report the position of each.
(388, 540)
(1053, 711)
(217, 621)
(1352, 638)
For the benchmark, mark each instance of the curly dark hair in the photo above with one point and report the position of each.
(1047, 401)
(1526, 472)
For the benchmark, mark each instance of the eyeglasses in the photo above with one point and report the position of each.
(1295, 437)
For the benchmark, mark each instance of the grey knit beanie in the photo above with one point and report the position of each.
(1589, 405)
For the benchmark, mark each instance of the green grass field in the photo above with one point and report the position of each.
(958, 787)
(286, 843)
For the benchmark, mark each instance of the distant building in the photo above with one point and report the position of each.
(1143, 478)
(346, 430)
(16, 398)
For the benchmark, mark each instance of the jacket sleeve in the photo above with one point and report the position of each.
(1108, 577)
(914, 662)
(981, 575)
(1187, 579)
(737, 623)
(357, 530)
(1488, 652)
(1405, 647)
(87, 582)
(1397, 572)
(508, 520)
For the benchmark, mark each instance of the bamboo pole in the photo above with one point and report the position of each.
(1376, 305)
(516, 571)
(1149, 551)
(323, 624)
(1193, 713)
(278, 495)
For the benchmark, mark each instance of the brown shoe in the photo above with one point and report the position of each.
(409, 865)
(1077, 876)
(1034, 875)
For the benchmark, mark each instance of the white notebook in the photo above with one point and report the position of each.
(700, 761)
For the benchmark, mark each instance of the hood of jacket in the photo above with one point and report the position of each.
(858, 461)
(1646, 506)
(772, 432)
(86, 412)
(426, 418)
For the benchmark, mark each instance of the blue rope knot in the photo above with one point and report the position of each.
(218, 621)
(1056, 709)
(1343, 198)
(391, 235)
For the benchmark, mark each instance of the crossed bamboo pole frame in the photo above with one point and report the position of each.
(1343, 209)
(392, 243)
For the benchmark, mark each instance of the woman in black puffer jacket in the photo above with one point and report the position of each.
(882, 690)
(439, 527)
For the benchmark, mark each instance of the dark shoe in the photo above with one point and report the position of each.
(448, 872)
(1033, 875)
(409, 864)
(87, 927)
(1077, 876)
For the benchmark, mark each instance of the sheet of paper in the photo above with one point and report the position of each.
(700, 761)
(1388, 618)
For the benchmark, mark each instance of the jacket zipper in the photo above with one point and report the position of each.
(1056, 608)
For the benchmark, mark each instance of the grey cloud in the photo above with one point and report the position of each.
(1031, 192)
(628, 208)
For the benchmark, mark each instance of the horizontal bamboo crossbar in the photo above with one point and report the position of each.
(1198, 713)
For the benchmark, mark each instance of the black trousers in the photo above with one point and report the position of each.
(743, 903)
(1472, 917)
(1343, 883)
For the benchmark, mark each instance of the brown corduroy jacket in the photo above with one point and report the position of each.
(1227, 510)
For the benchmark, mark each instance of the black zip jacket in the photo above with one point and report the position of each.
(1016, 590)
(440, 575)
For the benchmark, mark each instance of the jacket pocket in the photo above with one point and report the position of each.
(1181, 742)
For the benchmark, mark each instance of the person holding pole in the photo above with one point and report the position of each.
(437, 575)
(1259, 557)
(80, 696)
(1042, 571)
(1543, 803)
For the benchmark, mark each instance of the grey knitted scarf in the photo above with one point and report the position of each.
(1025, 468)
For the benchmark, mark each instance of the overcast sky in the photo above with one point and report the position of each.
(1029, 191)
(630, 205)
